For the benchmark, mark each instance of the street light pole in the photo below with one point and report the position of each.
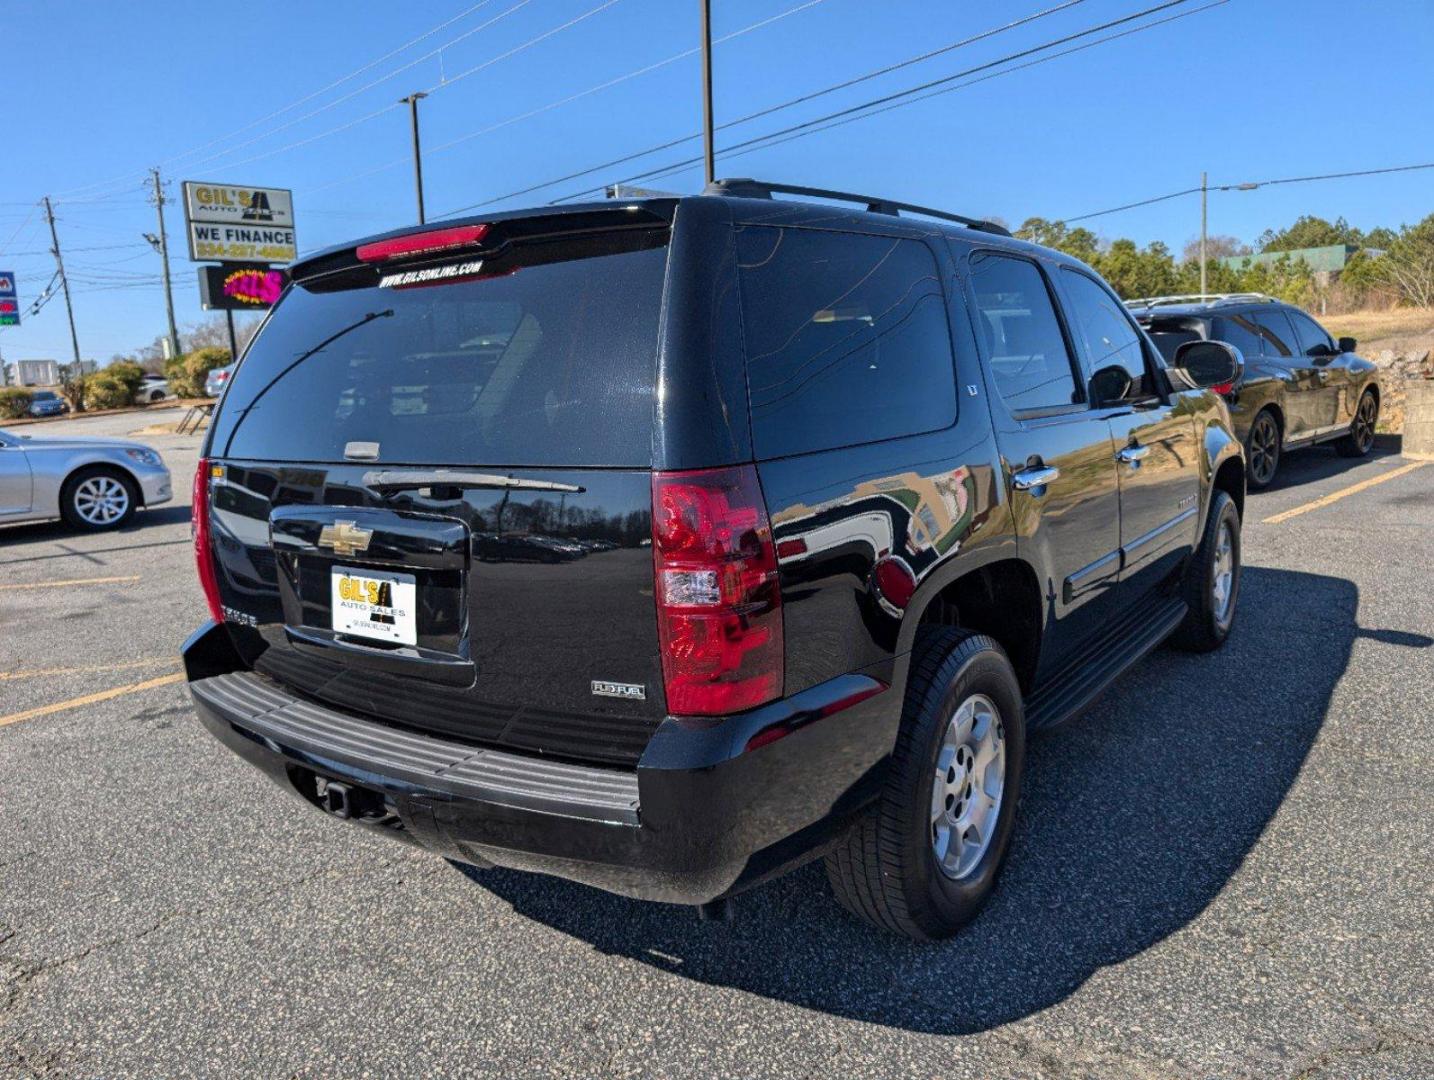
(708, 155)
(1204, 221)
(412, 102)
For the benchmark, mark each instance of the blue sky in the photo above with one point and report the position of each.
(1248, 90)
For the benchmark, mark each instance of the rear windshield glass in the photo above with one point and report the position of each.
(1170, 335)
(549, 358)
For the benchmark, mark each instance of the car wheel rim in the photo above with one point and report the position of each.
(1364, 424)
(1222, 581)
(1264, 449)
(101, 500)
(967, 787)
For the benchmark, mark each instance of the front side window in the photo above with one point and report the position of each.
(1106, 331)
(847, 339)
(1275, 333)
(1025, 348)
(1311, 335)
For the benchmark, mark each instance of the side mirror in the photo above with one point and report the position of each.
(1110, 384)
(1209, 364)
(1320, 351)
(1347, 344)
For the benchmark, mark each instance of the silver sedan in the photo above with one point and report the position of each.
(93, 483)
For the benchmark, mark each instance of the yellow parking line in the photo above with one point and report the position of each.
(1342, 493)
(92, 699)
(91, 669)
(128, 579)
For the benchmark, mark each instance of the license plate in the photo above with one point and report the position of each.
(372, 604)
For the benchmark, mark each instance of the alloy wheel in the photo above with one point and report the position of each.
(1222, 581)
(1364, 423)
(967, 787)
(101, 500)
(1264, 449)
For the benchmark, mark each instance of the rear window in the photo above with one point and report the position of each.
(549, 358)
(847, 339)
(1170, 334)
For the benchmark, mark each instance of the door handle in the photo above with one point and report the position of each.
(1131, 455)
(1037, 477)
(1323, 375)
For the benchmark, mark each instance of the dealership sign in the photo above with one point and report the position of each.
(240, 288)
(235, 223)
(9, 300)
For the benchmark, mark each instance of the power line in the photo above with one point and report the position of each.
(99, 184)
(840, 112)
(349, 97)
(379, 112)
(776, 139)
(1250, 185)
(531, 113)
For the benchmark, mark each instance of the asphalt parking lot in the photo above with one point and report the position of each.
(1225, 868)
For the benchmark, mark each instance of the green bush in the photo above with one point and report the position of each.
(105, 391)
(14, 402)
(127, 372)
(186, 374)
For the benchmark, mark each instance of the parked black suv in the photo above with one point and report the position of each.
(1300, 387)
(849, 500)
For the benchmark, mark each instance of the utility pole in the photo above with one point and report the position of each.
(412, 102)
(1204, 221)
(64, 283)
(708, 156)
(164, 257)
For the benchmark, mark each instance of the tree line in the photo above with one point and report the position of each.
(1390, 268)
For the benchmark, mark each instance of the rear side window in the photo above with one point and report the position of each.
(1240, 332)
(847, 339)
(548, 358)
(1024, 344)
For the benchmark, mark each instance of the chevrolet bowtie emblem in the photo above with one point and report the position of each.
(345, 537)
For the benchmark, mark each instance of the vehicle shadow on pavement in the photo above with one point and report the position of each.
(1133, 819)
(1308, 465)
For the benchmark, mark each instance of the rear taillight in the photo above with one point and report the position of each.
(719, 607)
(203, 552)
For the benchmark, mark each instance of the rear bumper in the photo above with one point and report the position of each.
(700, 818)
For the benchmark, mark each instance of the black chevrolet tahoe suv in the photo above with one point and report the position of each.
(665, 544)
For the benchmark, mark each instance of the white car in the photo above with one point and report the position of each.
(93, 483)
(152, 388)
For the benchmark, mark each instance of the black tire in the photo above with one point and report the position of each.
(1262, 450)
(885, 870)
(1207, 624)
(75, 514)
(1360, 439)
(157, 395)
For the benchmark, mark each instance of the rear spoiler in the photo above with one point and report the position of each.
(502, 229)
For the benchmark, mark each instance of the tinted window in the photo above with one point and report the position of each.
(43, 395)
(1105, 330)
(1309, 333)
(1170, 334)
(1275, 333)
(847, 339)
(549, 361)
(1240, 332)
(1024, 344)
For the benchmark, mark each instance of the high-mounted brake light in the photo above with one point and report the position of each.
(203, 551)
(719, 606)
(424, 243)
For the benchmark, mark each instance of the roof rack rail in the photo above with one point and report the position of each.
(1207, 299)
(762, 189)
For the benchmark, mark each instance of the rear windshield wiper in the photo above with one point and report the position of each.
(390, 481)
